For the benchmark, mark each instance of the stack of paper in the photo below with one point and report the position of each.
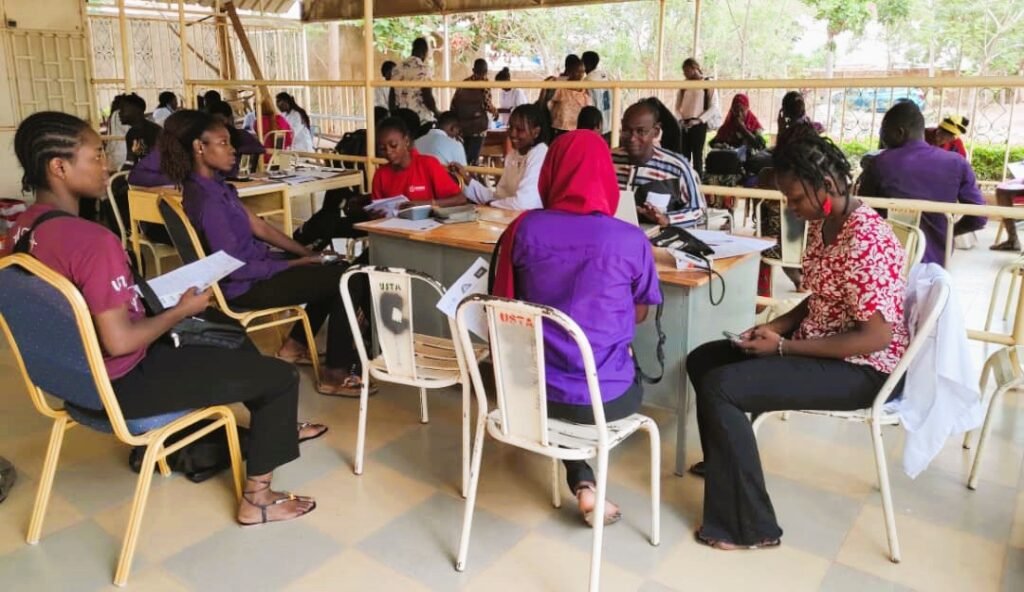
(730, 245)
(387, 206)
(201, 275)
(413, 225)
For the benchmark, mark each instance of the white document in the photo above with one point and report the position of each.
(730, 245)
(473, 281)
(413, 225)
(659, 200)
(387, 206)
(299, 179)
(202, 274)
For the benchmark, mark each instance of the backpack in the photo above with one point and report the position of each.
(468, 106)
(201, 459)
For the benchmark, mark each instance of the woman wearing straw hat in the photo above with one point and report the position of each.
(947, 135)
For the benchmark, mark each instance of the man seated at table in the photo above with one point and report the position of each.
(909, 168)
(418, 177)
(665, 186)
(442, 142)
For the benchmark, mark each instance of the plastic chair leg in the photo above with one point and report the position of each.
(466, 408)
(886, 492)
(424, 413)
(35, 525)
(165, 469)
(364, 396)
(556, 487)
(474, 481)
(234, 452)
(131, 536)
(655, 437)
(972, 480)
(1011, 295)
(994, 298)
(599, 510)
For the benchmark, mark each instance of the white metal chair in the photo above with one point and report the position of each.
(1005, 367)
(158, 251)
(875, 416)
(520, 418)
(1015, 270)
(406, 357)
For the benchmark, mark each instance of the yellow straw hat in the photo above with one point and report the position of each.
(955, 124)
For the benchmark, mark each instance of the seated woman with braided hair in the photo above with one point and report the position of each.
(841, 342)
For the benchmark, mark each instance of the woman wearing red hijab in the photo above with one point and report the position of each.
(741, 127)
(575, 256)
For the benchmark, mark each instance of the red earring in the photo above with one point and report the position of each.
(826, 207)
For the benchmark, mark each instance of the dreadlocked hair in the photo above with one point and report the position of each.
(814, 160)
(40, 138)
(175, 143)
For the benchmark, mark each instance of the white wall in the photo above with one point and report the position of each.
(49, 15)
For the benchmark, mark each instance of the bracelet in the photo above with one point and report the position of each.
(781, 339)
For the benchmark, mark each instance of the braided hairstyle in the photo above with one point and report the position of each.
(181, 130)
(42, 137)
(534, 116)
(815, 159)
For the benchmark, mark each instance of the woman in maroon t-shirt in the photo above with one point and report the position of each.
(419, 177)
(63, 162)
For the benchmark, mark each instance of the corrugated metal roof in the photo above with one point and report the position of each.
(330, 10)
(267, 6)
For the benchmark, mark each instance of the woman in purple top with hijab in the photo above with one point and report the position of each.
(575, 256)
(196, 151)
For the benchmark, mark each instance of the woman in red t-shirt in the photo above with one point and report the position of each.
(63, 162)
(834, 351)
(419, 177)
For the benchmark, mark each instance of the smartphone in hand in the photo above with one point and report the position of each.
(732, 336)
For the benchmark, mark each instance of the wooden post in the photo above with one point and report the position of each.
(661, 40)
(371, 128)
(183, 38)
(126, 56)
(447, 53)
(243, 40)
(696, 29)
(616, 114)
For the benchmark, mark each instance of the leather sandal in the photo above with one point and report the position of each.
(322, 429)
(288, 497)
(351, 387)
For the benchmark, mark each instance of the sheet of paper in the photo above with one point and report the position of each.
(413, 225)
(1016, 170)
(659, 200)
(473, 281)
(730, 245)
(299, 179)
(387, 206)
(202, 274)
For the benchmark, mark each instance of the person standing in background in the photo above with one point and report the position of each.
(697, 109)
(419, 100)
(380, 94)
(298, 120)
(600, 98)
(508, 98)
(474, 109)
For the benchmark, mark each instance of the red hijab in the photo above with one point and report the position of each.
(730, 127)
(577, 177)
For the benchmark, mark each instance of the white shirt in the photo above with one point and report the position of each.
(380, 97)
(940, 395)
(510, 99)
(517, 188)
(160, 114)
(442, 147)
(302, 138)
(117, 150)
(602, 99)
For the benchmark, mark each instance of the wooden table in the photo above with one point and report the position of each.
(688, 320)
(263, 197)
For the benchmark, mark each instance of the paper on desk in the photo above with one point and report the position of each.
(387, 206)
(731, 245)
(413, 225)
(473, 281)
(300, 179)
(659, 200)
(202, 274)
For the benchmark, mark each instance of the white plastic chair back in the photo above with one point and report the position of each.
(1005, 367)
(113, 206)
(391, 296)
(517, 353)
(793, 235)
(913, 240)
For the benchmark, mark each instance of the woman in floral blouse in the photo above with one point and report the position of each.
(832, 352)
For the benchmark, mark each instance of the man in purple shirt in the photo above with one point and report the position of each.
(910, 168)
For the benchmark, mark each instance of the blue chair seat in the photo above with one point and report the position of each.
(97, 420)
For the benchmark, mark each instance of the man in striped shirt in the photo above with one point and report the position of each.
(664, 184)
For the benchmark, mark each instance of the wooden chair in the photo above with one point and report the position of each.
(190, 248)
(51, 334)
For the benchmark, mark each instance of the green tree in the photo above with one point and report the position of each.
(842, 16)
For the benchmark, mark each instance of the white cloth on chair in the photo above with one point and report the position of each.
(941, 396)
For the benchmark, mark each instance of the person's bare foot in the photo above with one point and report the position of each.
(586, 498)
(260, 504)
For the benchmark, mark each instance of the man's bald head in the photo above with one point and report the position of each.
(902, 123)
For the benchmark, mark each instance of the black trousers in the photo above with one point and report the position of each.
(578, 471)
(170, 379)
(691, 145)
(318, 287)
(473, 145)
(729, 384)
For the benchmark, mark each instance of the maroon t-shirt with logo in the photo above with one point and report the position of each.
(92, 258)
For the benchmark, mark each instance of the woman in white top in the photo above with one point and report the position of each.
(509, 98)
(298, 119)
(517, 189)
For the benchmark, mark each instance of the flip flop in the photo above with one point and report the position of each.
(305, 424)
(350, 388)
(287, 496)
(299, 360)
(727, 546)
(1005, 246)
(698, 469)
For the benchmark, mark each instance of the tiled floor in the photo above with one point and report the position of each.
(396, 527)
